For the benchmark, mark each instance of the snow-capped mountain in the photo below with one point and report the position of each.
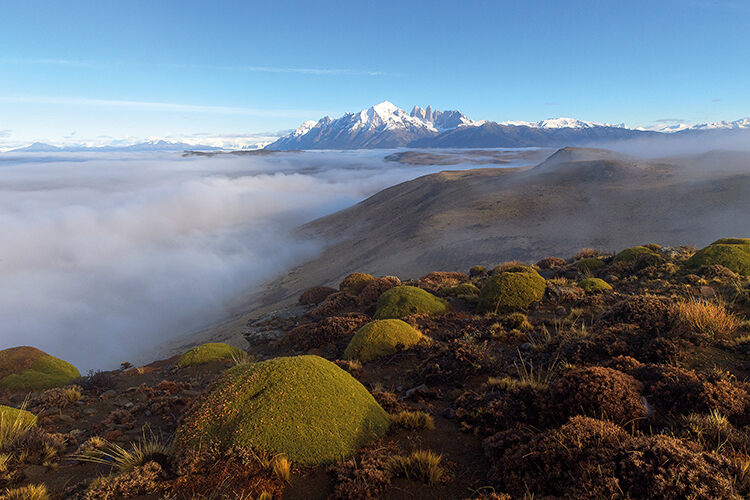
(742, 123)
(149, 145)
(381, 126)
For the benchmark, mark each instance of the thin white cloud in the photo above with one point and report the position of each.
(161, 106)
(239, 68)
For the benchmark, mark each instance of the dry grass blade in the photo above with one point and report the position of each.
(14, 427)
(148, 448)
(413, 420)
(707, 318)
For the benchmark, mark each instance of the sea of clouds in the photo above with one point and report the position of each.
(105, 254)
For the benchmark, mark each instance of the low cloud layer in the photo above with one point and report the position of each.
(106, 254)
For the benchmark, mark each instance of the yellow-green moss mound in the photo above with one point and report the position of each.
(732, 253)
(305, 407)
(206, 353)
(381, 338)
(590, 264)
(632, 254)
(29, 369)
(511, 291)
(355, 283)
(10, 416)
(594, 285)
(464, 289)
(401, 301)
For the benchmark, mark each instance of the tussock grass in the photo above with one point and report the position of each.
(148, 448)
(706, 318)
(420, 465)
(73, 393)
(413, 420)
(282, 468)
(14, 424)
(29, 492)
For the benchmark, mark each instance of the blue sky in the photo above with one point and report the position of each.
(107, 69)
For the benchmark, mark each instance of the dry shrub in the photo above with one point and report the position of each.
(565, 462)
(434, 281)
(334, 304)
(420, 465)
(587, 253)
(660, 466)
(57, 397)
(363, 477)
(282, 468)
(388, 401)
(375, 288)
(597, 392)
(315, 295)
(29, 492)
(147, 479)
(551, 263)
(413, 420)
(327, 330)
(706, 320)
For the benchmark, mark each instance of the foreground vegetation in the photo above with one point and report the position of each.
(600, 376)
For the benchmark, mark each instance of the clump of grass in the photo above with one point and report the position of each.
(420, 465)
(282, 468)
(265, 496)
(73, 393)
(712, 428)
(241, 358)
(29, 492)
(587, 253)
(148, 448)
(14, 424)
(706, 318)
(413, 420)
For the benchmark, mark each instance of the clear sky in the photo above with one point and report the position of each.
(86, 69)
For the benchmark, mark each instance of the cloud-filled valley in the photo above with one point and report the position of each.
(105, 254)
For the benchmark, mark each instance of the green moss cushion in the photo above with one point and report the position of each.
(10, 416)
(590, 264)
(459, 290)
(29, 369)
(732, 253)
(511, 291)
(206, 353)
(381, 338)
(594, 285)
(305, 407)
(632, 254)
(401, 301)
(355, 283)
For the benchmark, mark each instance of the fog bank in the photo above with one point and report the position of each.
(105, 254)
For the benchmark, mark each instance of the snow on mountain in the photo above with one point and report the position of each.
(742, 123)
(561, 122)
(384, 125)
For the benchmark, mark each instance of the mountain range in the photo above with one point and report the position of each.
(153, 145)
(388, 126)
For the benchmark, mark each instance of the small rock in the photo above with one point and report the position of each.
(449, 413)
(707, 291)
(413, 390)
(109, 394)
(525, 346)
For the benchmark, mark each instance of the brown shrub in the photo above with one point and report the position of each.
(315, 295)
(388, 401)
(375, 288)
(325, 331)
(663, 467)
(501, 408)
(335, 304)
(145, 480)
(355, 282)
(434, 281)
(587, 253)
(551, 263)
(366, 476)
(574, 461)
(597, 392)
(653, 315)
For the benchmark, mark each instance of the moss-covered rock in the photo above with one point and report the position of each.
(632, 254)
(355, 283)
(206, 353)
(590, 264)
(732, 253)
(512, 267)
(29, 369)
(594, 285)
(381, 338)
(13, 416)
(402, 301)
(477, 271)
(511, 291)
(304, 407)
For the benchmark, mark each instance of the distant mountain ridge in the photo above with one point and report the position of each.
(155, 145)
(388, 126)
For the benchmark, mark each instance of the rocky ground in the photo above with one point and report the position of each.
(622, 376)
